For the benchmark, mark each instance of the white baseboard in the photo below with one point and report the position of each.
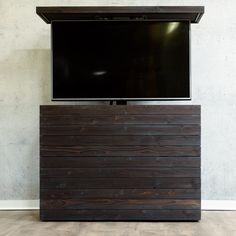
(207, 205)
(19, 204)
(219, 205)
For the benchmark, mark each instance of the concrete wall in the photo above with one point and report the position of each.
(25, 83)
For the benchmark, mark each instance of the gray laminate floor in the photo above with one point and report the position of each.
(23, 223)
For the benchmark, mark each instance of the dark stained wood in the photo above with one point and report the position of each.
(121, 204)
(96, 110)
(49, 194)
(121, 130)
(121, 215)
(85, 162)
(120, 151)
(125, 183)
(160, 13)
(119, 119)
(120, 162)
(146, 140)
(120, 172)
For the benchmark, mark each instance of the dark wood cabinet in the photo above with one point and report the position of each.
(120, 163)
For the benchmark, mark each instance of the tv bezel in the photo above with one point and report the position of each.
(123, 99)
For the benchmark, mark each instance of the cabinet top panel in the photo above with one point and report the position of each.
(161, 13)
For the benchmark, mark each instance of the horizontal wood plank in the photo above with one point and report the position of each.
(52, 140)
(121, 204)
(119, 172)
(125, 183)
(121, 215)
(120, 151)
(120, 110)
(118, 119)
(81, 162)
(121, 130)
(120, 193)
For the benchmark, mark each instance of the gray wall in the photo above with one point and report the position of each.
(25, 83)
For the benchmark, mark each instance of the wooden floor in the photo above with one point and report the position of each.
(24, 223)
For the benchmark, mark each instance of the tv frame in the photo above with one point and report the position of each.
(123, 99)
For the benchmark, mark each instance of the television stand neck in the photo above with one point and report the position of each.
(118, 102)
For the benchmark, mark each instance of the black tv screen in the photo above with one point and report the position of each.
(112, 60)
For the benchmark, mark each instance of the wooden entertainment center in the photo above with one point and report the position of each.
(120, 162)
(117, 162)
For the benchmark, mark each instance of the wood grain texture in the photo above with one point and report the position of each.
(125, 183)
(117, 162)
(121, 9)
(120, 110)
(143, 140)
(100, 161)
(120, 215)
(132, 151)
(119, 119)
(49, 194)
(121, 204)
(120, 172)
(121, 130)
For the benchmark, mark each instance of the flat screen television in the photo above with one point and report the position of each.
(120, 60)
